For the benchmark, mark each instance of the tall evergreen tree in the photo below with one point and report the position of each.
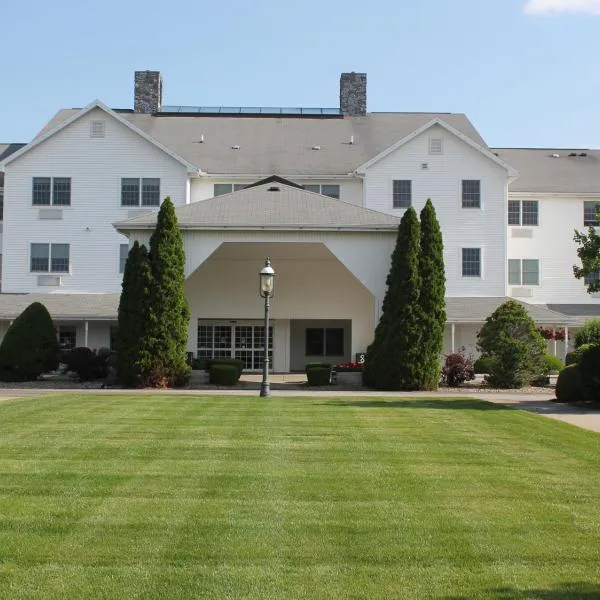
(170, 314)
(394, 357)
(29, 347)
(433, 296)
(134, 348)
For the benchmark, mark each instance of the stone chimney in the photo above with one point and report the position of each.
(353, 94)
(147, 92)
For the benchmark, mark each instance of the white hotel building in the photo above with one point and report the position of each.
(336, 183)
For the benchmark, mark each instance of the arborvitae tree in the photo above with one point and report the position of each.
(394, 357)
(433, 296)
(30, 346)
(134, 347)
(170, 313)
(514, 346)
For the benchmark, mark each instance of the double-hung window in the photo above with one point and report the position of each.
(327, 341)
(590, 213)
(326, 189)
(123, 253)
(227, 188)
(51, 191)
(50, 258)
(140, 192)
(402, 193)
(523, 271)
(523, 212)
(471, 193)
(471, 262)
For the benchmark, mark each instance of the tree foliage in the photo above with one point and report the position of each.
(30, 346)
(589, 254)
(514, 346)
(170, 313)
(588, 334)
(134, 347)
(394, 357)
(433, 296)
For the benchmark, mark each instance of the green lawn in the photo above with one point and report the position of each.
(169, 497)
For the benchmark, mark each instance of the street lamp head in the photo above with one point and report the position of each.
(267, 280)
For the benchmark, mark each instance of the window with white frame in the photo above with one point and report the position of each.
(592, 278)
(143, 191)
(49, 258)
(123, 253)
(523, 271)
(590, 213)
(51, 191)
(227, 188)
(325, 189)
(67, 337)
(471, 193)
(402, 193)
(471, 262)
(523, 212)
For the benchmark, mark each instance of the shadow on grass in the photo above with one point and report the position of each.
(441, 403)
(565, 591)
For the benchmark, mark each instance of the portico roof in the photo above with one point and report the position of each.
(273, 204)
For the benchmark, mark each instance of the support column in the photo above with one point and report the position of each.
(85, 334)
(452, 337)
(554, 341)
(566, 343)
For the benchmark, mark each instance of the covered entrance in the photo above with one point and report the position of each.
(242, 340)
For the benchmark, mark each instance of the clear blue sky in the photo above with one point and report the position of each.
(526, 72)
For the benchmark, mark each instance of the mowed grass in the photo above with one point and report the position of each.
(223, 497)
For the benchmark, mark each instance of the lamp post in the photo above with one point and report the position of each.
(267, 280)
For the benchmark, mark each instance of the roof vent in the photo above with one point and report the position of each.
(424, 166)
(572, 154)
(316, 147)
(555, 155)
(236, 147)
(583, 154)
(274, 188)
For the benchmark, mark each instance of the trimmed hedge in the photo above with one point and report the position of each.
(589, 367)
(568, 385)
(318, 375)
(482, 365)
(223, 374)
(234, 362)
(573, 358)
(317, 365)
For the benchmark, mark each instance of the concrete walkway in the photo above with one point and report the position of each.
(289, 385)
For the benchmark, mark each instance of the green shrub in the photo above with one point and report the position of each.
(588, 334)
(482, 365)
(29, 347)
(318, 375)
(516, 348)
(568, 385)
(550, 364)
(574, 357)
(83, 362)
(234, 362)
(589, 366)
(318, 365)
(223, 374)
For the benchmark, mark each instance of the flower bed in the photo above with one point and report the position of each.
(349, 367)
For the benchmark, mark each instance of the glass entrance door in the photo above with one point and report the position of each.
(244, 341)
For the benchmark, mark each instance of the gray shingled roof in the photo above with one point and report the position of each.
(258, 208)
(63, 306)
(580, 313)
(541, 172)
(7, 149)
(282, 145)
(476, 310)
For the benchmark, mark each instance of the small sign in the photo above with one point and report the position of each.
(361, 357)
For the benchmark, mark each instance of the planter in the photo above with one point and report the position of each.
(350, 378)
